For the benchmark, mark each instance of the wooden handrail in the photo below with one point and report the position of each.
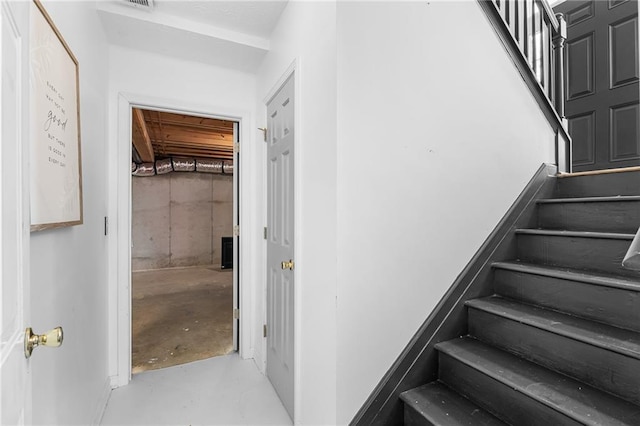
(552, 16)
(535, 38)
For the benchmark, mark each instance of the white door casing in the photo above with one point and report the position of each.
(236, 238)
(15, 384)
(280, 243)
(120, 240)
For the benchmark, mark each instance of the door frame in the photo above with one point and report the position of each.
(292, 70)
(119, 236)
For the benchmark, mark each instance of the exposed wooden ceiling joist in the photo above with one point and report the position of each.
(191, 122)
(192, 153)
(177, 134)
(181, 135)
(140, 136)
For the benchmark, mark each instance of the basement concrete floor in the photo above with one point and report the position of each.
(180, 315)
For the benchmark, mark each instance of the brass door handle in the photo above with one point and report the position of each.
(288, 265)
(52, 338)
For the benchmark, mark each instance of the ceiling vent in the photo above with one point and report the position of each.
(140, 4)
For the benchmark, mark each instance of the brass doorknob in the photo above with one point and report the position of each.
(288, 265)
(52, 338)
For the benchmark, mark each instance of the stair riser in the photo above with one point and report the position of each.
(611, 216)
(413, 418)
(594, 254)
(602, 368)
(599, 185)
(504, 402)
(613, 306)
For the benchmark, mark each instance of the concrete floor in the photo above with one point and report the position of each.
(223, 390)
(180, 315)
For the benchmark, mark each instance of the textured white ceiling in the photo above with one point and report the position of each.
(252, 17)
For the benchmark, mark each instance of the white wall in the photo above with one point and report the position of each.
(69, 265)
(437, 136)
(155, 80)
(306, 34)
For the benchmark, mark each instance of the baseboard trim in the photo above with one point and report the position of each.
(417, 364)
(101, 404)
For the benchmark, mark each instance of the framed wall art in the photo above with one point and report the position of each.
(55, 166)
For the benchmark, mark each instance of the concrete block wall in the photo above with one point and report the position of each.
(178, 219)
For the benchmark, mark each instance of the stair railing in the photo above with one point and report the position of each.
(535, 37)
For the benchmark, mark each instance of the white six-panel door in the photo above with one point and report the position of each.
(15, 389)
(280, 266)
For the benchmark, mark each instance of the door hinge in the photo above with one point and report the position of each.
(264, 133)
(236, 230)
(236, 147)
(106, 225)
(265, 232)
(236, 313)
(264, 330)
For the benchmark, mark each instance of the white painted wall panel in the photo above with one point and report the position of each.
(437, 136)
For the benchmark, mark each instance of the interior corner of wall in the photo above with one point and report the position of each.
(103, 399)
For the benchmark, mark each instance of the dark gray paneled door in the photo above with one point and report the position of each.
(602, 82)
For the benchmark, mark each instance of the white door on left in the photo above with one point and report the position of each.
(15, 389)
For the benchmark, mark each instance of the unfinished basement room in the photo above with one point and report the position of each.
(182, 198)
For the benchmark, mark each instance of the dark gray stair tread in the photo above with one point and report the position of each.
(600, 278)
(589, 199)
(625, 183)
(561, 393)
(625, 342)
(576, 234)
(439, 405)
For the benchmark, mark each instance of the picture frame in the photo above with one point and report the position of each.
(54, 127)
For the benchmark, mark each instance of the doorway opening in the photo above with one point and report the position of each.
(183, 296)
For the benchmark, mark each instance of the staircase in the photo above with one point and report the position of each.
(558, 343)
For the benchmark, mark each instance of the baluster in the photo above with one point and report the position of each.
(501, 7)
(552, 70)
(552, 66)
(507, 10)
(516, 22)
(521, 32)
(559, 42)
(525, 27)
(537, 19)
(513, 18)
(532, 32)
(546, 41)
